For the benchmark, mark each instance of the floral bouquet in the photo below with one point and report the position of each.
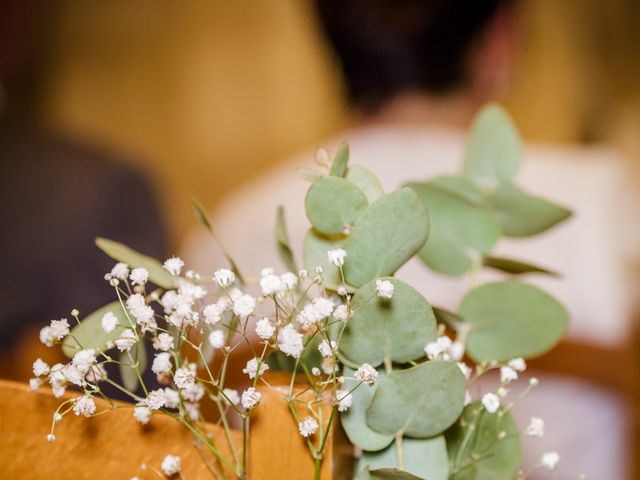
(364, 350)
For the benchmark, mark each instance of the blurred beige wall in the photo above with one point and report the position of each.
(207, 93)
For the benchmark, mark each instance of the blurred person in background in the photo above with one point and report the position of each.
(415, 72)
(56, 195)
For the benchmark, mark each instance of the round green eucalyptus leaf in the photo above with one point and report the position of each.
(89, 332)
(354, 421)
(523, 215)
(426, 458)
(493, 149)
(397, 328)
(120, 252)
(333, 203)
(483, 455)
(459, 229)
(386, 235)
(314, 250)
(419, 402)
(365, 181)
(511, 319)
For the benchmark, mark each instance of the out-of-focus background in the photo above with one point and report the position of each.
(144, 104)
(207, 93)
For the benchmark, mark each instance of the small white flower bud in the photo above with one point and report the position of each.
(533, 381)
(51, 438)
(75, 312)
(114, 282)
(57, 417)
(322, 156)
(342, 291)
(303, 273)
(319, 269)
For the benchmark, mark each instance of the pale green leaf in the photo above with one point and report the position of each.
(309, 174)
(365, 181)
(524, 215)
(460, 230)
(340, 162)
(282, 241)
(459, 186)
(120, 252)
(514, 267)
(419, 402)
(480, 454)
(386, 235)
(334, 204)
(426, 458)
(89, 332)
(315, 247)
(201, 214)
(135, 359)
(511, 319)
(354, 421)
(397, 328)
(493, 151)
(203, 217)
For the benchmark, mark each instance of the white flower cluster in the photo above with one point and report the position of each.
(443, 348)
(220, 318)
(319, 309)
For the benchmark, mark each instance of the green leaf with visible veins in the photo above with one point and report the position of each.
(460, 229)
(418, 402)
(333, 204)
(385, 236)
(426, 458)
(90, 334)
(510, 320)
(397, 328)
(354, 419)
(483, 453)
(494, 150)
(524, 215)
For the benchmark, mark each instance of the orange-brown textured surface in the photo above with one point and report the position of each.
(110, 446)
(114, 445)
(276, 448)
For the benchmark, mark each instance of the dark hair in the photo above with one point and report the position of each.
(388, 46)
